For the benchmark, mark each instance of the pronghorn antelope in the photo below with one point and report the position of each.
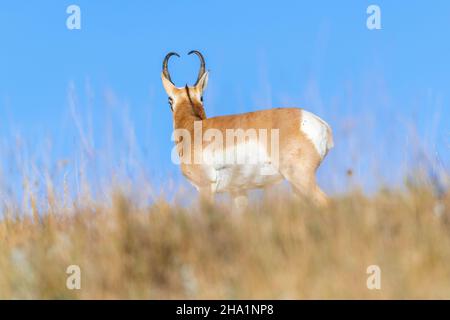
(303, 140)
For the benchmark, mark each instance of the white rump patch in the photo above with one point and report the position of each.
(318, 131)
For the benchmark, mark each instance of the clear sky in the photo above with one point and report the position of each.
(382, 91)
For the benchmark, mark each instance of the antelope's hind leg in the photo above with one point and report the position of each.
(302, 179)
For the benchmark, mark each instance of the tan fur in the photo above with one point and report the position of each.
(298, 157)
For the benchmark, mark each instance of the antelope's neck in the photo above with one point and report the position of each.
(185, 116)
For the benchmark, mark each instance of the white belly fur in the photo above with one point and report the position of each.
(253, 169)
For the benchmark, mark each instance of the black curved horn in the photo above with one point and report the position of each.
(165, 62)
(202, 70)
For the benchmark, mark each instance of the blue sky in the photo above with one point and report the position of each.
(380, 90)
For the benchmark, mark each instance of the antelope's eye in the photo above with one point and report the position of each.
(201, 98)
(170, 103)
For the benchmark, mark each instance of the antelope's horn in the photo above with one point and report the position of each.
(202, 70)
(165, 62)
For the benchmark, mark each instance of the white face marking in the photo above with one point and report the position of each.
(317, 131)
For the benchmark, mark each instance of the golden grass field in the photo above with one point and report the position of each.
(280, 249)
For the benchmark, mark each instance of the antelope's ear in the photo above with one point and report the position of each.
(202, 82)
(168, 86)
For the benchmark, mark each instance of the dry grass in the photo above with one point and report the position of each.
(280, 249)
